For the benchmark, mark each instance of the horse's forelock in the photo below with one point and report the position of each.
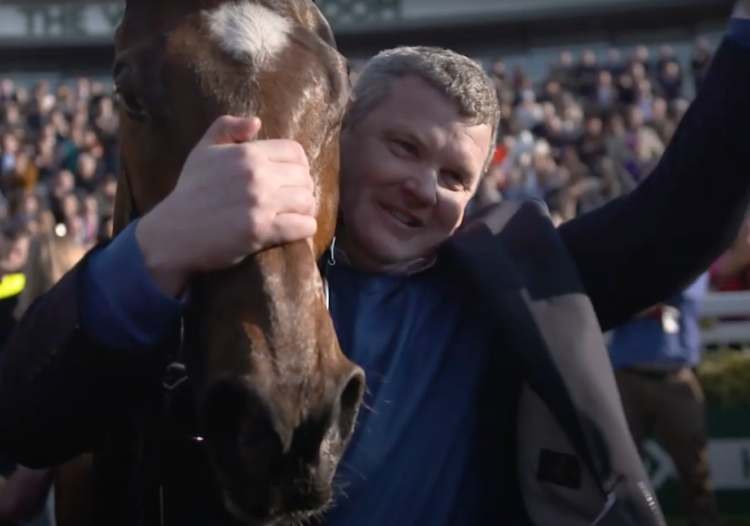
(248, 30)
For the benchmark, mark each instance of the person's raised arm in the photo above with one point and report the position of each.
(640, 249)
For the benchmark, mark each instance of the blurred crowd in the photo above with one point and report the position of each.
(590, 131)
(58, 157)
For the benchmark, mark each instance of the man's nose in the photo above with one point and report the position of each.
(423, 187)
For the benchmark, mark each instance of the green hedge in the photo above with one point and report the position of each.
(725, 377)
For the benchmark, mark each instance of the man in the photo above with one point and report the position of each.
(508, 411)
(654, 357)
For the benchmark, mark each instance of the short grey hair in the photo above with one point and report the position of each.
(461, 79)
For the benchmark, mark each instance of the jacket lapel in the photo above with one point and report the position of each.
(489, 256)
(570, 423)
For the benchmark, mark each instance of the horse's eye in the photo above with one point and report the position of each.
(133, 106)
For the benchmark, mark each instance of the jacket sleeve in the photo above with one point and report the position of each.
(59, 388)
(640, 249)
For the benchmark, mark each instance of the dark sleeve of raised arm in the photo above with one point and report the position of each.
(81, 353)
(642, 248)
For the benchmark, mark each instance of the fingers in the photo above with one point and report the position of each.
(240, 134)
(296, 200)
(295, 177)
(267, 163)
(285, 151)
(231, 130)
(289, 228)
(228, 130)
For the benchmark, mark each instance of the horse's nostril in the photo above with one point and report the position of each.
(350, 398)
(234, 414)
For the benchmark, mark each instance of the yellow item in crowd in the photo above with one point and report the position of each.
(12, 285)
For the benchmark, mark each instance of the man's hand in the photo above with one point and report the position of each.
(235, 196)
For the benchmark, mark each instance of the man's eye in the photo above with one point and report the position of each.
(455, 176)
(455, 179)
(406, 147)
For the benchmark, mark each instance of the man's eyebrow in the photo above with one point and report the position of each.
(461, 163)
(424, 141)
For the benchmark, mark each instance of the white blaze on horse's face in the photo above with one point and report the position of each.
(249, 31)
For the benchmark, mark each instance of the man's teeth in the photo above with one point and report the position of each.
(403, 218)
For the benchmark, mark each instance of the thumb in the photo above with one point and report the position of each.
(231, 130)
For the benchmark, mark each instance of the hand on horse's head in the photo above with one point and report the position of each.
(235, 196)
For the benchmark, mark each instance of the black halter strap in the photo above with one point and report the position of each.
(133, 207)
(175, 372)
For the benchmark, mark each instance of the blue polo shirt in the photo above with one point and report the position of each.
(664, 344)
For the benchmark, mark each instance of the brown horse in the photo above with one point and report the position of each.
(276, 398)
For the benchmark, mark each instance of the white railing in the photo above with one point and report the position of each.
(721, 304)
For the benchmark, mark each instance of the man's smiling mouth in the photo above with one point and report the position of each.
(403, 217)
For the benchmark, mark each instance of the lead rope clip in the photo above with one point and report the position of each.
(330, 263)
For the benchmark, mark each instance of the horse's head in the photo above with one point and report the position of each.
(277, 399)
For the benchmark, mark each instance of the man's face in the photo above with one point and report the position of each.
(409, 168)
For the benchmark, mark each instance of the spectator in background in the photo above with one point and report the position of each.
(13, 254)
(701, 59)
(592, 144)
(587, 75)
(666, 57)
(607, 94)
(615, 65)
(641, 58)
(528, 113)
(654, 357)
(618, 114)
(661, 122)
(49, 258)
(670, 81)
(14, 257)
(731, 272)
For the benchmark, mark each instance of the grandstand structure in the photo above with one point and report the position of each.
(74, 37)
